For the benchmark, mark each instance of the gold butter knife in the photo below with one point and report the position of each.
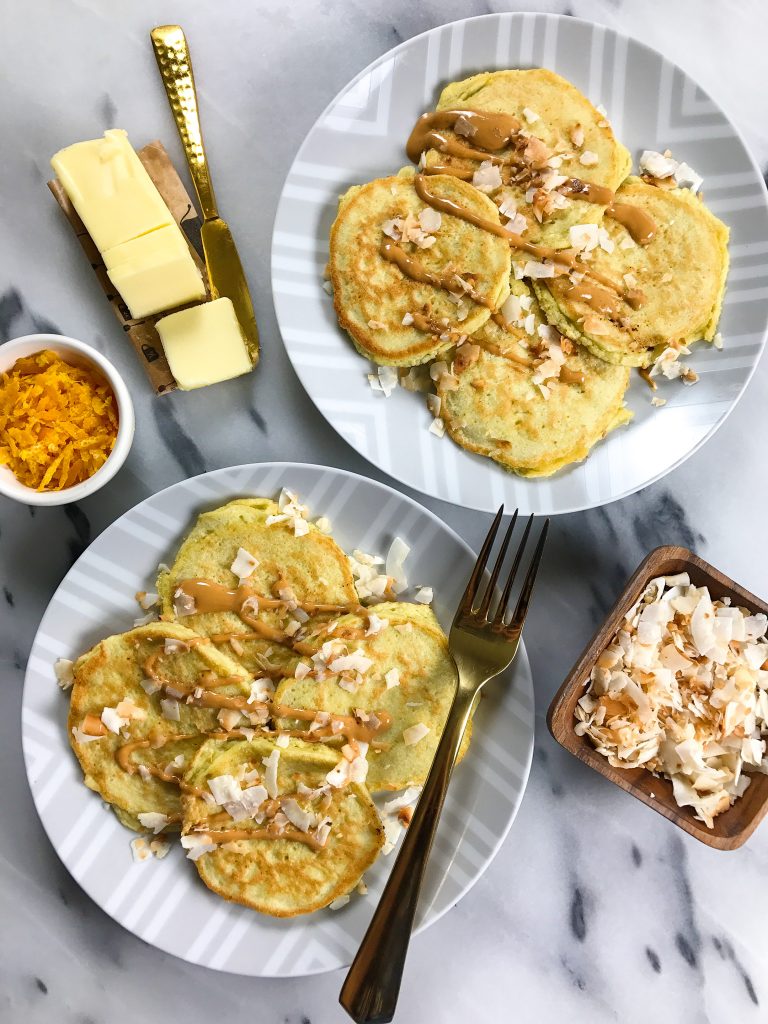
(225, 271)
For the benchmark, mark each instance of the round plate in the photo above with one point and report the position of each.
(652, 105)
(164, 902)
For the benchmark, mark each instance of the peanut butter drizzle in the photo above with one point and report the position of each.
(412, 267)
(351, 728)
(123, 758)
(588, 191)
(490, 131)
(208, 681)
(215, 597)
(465, 173)
(233, 835)
(600, 299)
(568, 376)
(424, 323)
(640, 225)
(445, 205)
(566, 257)
(645, 373)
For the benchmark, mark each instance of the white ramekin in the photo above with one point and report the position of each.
(75, 352)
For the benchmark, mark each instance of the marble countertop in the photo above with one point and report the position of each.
(595, 909)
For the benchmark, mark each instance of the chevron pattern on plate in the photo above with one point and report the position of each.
(164, 902)
(361, 135)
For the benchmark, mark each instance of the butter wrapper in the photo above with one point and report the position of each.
(142, 333)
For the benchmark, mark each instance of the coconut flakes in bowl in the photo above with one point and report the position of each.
(682, 690)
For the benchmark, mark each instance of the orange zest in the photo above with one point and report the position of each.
(58, 422)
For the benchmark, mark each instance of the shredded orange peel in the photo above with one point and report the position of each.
(58, 422)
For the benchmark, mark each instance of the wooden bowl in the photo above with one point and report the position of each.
(734, 826)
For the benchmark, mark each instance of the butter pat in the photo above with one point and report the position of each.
(160, 244)
(204, 344)
(154, 272)
(110, 189)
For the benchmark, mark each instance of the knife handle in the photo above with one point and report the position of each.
(175, 64)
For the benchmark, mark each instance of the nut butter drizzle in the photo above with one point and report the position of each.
(564, 257)
(491, 132)
(640, 226)
(488, 131)
(412, 267)
(567, 375)
(215, 597)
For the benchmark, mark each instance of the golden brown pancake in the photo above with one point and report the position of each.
(681, 274)
(286, 876)
(373, 295)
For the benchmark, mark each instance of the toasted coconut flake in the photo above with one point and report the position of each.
(395, 564)
(375, 624)
(537, 271)
(62, 669)
(170, 709)
(392, 678)
(658, 165)
(147, 600)
(589, 159)
(140, 849)
(197, 844)
(244, 564)
(487, 178)
(153, 820)
(414, 734)
(583, 237)
(424, 595)
(270, 776)
(430, 220)
(183, 604)
(113, 721)
(224, 789)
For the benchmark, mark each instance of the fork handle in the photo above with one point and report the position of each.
(371, 988)
(175, 64)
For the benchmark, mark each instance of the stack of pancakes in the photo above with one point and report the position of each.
(251, 695)
(530, 366)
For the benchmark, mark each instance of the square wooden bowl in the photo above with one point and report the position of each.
(734, 826)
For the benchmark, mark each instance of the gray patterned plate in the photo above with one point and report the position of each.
(164, 902)
(652, 105)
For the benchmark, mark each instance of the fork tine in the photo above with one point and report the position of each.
(521, 609)
(485, 604)
(501, 610)
(467, 600)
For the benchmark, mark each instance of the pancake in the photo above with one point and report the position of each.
(111, 672)
(494, 403)
(372, 295)
(562, 111)
(681, 272)
(427, 683)
(498, 411)
(313, 566)
(282, 877)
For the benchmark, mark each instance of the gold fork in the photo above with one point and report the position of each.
(482, 645)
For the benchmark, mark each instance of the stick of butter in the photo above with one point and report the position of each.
(110, 189)
(204, 344)
(154, 272)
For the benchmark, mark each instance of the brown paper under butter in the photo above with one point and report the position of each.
(143, 333)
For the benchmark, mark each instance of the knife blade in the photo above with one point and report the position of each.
(225, 271)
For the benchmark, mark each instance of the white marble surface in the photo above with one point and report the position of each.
(595, 909)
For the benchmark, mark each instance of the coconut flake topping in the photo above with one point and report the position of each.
(682, 690)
